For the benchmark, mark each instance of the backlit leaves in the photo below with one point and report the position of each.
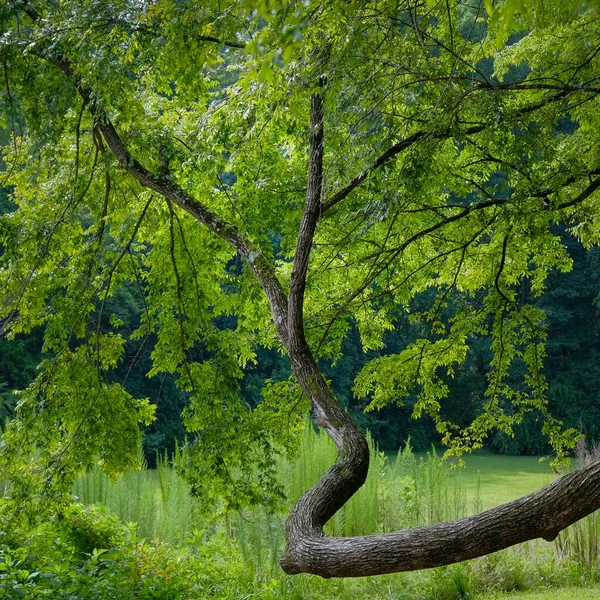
(496, 159)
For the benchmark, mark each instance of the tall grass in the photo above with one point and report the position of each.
(402, 492)
(581, 541)
(421, 491)
(158, 501)
(362, 514)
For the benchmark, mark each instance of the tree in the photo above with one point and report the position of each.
(298, 166)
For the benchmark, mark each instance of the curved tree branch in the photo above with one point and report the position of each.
(542, 514)
(349, 472)
(378, 162)
(230, 233)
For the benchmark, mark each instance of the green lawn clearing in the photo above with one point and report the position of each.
(570, 593)
(491, 479)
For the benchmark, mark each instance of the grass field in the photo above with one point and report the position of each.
(403, 490)
(494, 479)
(570, 593)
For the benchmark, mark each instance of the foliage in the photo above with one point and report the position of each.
(90, 554)
(402, 491)
(450, 163)
(569, 305)
(158, 501)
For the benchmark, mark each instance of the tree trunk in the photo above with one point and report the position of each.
(308, 549)
(542, 514)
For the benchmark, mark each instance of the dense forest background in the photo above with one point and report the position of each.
(571, 304)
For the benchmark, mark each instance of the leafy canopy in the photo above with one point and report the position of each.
(455, 162)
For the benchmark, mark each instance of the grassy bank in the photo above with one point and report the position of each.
(567, 593)
(170, 551)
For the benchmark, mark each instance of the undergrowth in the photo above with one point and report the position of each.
(150, 542)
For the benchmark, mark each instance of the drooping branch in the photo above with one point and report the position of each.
(393, 253)
(524, 86)
(228, 43)
(386, 156)
(227, 231)
(157, 31)
(171, 191)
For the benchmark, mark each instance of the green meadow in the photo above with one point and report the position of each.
(403, 490)
(144, 536)
(494, 479)
(568, 593)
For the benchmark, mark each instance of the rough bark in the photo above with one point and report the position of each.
(349, 472)
(542, 514)
(308, 223)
